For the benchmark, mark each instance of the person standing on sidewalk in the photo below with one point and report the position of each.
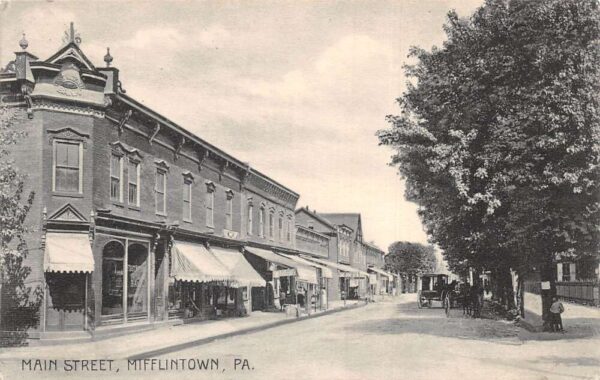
(556, 309)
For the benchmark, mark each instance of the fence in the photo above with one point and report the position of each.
(583, 292)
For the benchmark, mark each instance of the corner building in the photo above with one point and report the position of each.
(136, 220)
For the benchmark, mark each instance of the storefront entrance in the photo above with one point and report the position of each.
(125, 291)
(65, 301)
(200, 301)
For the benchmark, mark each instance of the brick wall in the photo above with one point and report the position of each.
(106, 133)
(259, 201)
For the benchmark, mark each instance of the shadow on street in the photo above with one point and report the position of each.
(433, 321)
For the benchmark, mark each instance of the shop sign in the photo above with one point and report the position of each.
(284, 273)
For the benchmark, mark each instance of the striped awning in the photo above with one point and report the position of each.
(68, 252)
(241, 270)
(194, 262)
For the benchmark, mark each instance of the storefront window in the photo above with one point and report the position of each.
(112, 278)
(137, 280)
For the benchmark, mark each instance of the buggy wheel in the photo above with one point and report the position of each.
(447, 305)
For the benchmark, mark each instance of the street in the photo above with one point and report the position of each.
(392, 339)
(396, 340)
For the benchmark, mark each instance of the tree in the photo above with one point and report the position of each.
(19, 303)
(498, 137)
(410, 259)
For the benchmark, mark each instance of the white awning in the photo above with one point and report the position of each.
(241, 270)
(373, 278)
(304, 273)
(68, 252)
(325, 272)
(194, 262)
(381, 272)
(351, 272)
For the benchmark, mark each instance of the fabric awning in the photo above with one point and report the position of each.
(194, 262)
(68, 252)
(243, 273)
(303, 272)
(352, 272)
(325, 272)
(381, 272)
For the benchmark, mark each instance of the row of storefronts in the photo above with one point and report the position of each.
(140, 222)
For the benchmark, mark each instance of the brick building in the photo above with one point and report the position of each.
(136, 219)
(347, 254)
(382, 281)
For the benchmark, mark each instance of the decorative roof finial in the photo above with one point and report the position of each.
(71, 36)
(23, 43)
(108, 58)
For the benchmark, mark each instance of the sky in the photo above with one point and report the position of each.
(296, 88)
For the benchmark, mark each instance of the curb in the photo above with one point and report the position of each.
(199, 342)
(529, 327)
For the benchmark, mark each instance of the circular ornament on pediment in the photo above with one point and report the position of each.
(69, 81)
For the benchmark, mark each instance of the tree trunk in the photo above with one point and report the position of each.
(521, 295)
(547, 277)
(509, 295)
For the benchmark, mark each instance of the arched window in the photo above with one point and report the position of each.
(250, 216)
(261, 222)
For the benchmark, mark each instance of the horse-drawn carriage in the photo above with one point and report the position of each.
(435, 287)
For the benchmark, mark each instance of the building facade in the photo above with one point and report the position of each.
(136, 219)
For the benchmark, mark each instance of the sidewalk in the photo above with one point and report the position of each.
(579, 321)
(164, 339)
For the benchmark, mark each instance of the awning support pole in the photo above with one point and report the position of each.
(85, 304)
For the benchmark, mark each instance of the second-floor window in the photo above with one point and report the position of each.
(261, 222)
(288, 230)
(280, 228)
(160, 190)
(229, 211)
(133, 175)
(116, 177)
(210, 206)
(271, 225)
(187, 200)
(250, 216)
(67, 168)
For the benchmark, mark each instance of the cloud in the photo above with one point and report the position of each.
(44, 39)
(298, 89)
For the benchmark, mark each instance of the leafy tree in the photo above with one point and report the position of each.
(410, 259)
(19, 304)
(498, 136)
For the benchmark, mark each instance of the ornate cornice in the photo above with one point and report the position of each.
(67, 108)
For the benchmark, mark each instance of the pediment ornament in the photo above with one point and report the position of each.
(67, 213)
